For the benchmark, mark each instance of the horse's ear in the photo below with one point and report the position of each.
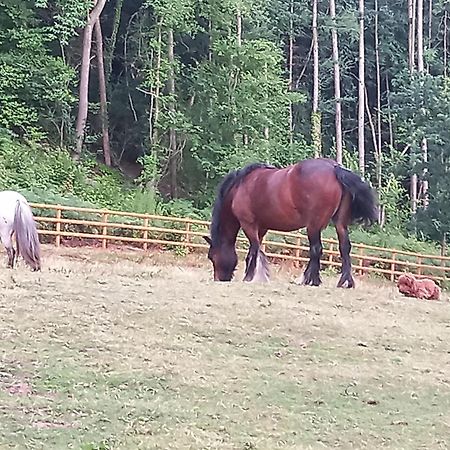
(207, 239)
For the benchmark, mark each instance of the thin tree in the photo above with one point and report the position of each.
(411, 65)
(239, 27)
(420, 60)
(109, 54)
(291, 70)
(316, 126)
(411, 34)
(337, 82)
(173, 153)
(444, 41)
(378, 151)
(430, 28)
(84, 76)
(102, 93)
(155, 92)
(421, 70)
(361, 90)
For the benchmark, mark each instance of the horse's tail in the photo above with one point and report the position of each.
(27, 238)
(364, 206)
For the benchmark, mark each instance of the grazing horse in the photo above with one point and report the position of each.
(308, 194)
(16, 218)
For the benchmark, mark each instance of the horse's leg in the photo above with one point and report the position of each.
(341, 221)
(5, 236)
(262, 264)
(345, 247)
(311, 275)
(256, 263)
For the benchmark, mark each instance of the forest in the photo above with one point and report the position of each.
(145, 105)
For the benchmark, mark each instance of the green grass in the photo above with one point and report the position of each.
(122, 351)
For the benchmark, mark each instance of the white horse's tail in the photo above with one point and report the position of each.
(27, 238)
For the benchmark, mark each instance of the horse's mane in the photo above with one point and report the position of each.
(231, 180)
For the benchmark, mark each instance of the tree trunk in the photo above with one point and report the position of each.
(445, 42)
(391, 127)
(316, 126)
(239, 27)
(421, 70)
(430, 28)
(411, 64)
(420, 61)
(361, 91)
(154, 100)
(102, 92)
(112, 41)
(378, 153)
(245, 138)
(411, 35)
(291, 71)
(337, 83)
(173, 156)
(83, 100)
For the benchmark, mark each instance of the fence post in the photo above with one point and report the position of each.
(444, 268)
(419, 265)
(58, 226)
(297, 252)
(361, 260)
(263, 244)
(145, 236)
(187, 239)
(393, 266)
(330, 257)
(104, 229)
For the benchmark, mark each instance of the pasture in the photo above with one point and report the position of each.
(121, 350)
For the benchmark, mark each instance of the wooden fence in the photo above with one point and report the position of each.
(61, 223)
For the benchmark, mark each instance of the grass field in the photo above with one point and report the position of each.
(109, 350)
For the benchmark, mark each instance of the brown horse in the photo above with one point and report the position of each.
(308, 194)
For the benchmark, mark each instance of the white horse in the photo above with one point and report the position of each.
(16, 218)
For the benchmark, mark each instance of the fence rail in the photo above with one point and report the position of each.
(59, 223)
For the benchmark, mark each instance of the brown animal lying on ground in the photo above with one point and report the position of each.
(420, 288)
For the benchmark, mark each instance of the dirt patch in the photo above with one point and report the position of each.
(20, 388)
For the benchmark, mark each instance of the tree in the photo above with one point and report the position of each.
(83, 100)
(378, 146)
(316, 132)
(361, 91)
(102, 93)
(337, 82)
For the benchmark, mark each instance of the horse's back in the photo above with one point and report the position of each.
(290, 198)
(7, 197)
(8, 203)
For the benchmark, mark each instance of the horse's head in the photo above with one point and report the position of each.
(223, 258)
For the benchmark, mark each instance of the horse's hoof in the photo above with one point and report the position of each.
(311, 282)
(346, 284)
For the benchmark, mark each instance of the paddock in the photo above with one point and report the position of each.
(120, 349)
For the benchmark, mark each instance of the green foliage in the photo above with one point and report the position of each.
(34, 85)
(422, 109)
(241, 110)
(50, 175)
(391, 195)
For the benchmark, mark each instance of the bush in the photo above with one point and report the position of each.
(51, 176)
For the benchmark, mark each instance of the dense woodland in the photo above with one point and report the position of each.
(173, 94)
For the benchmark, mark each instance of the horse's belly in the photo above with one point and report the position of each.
(282, 223)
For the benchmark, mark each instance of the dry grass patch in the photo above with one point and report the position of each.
(104, 350)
